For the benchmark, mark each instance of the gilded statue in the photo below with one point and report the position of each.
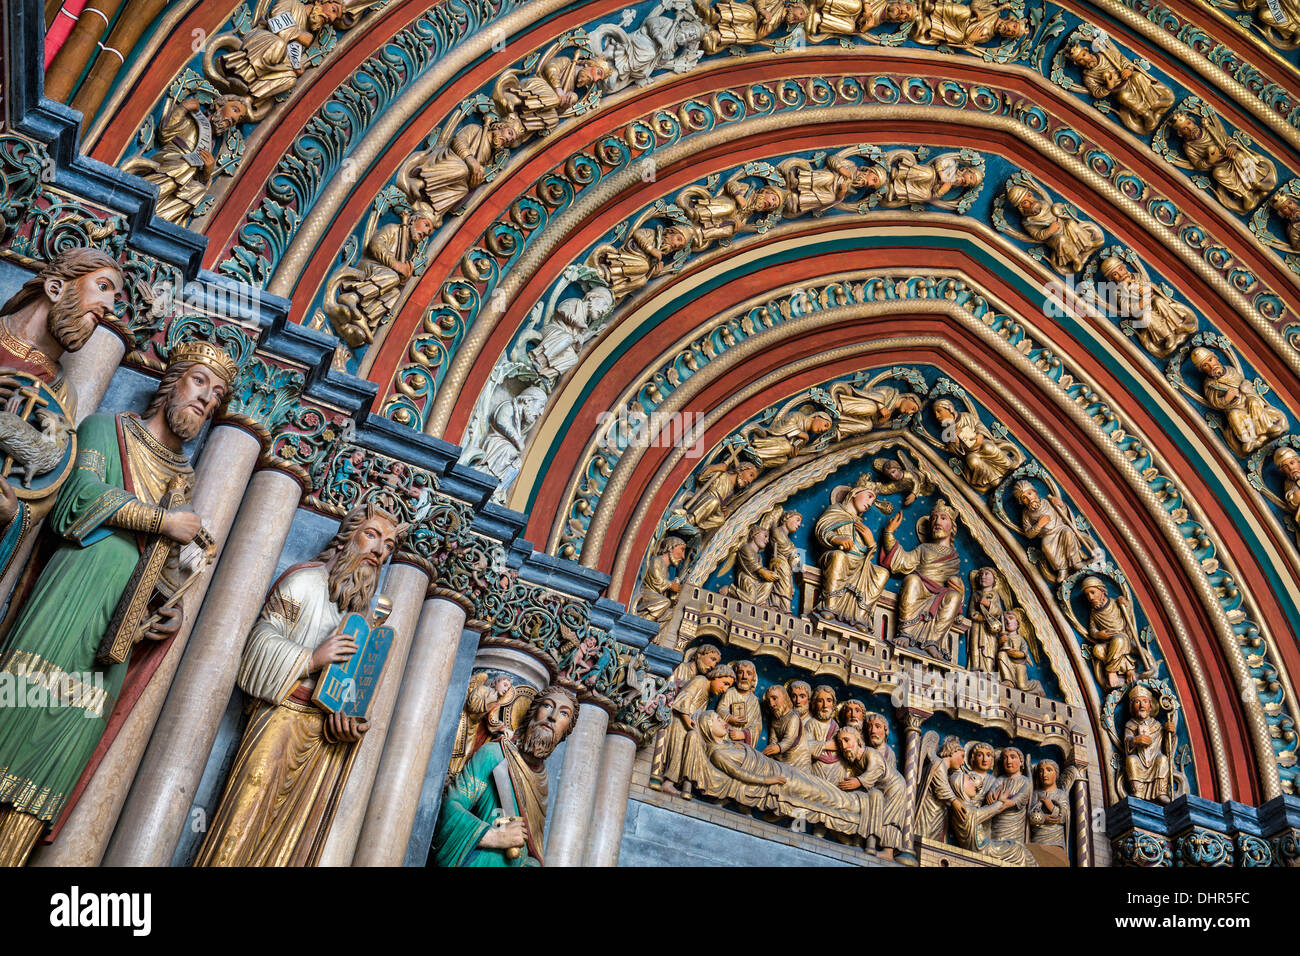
(628, 268)
(266, 62)
(1162, 323)
(1049, 809)
(871, 407)
(1069, 239)
(1287, 461)
(819, 728)
(1242, 178)
(744, 24)
(1249, 421)
(1278, 20)
(696, 662)
(739, 705)
(851, 581)
(792, 434)
(1147, 745)
(937, 800)
(658, 590)
(990, 598)
(812, 189)
(667, 40)
(982, 802)
(486, 715)
(719, 218)
(128, 493)
(294, 757)
(693, 697)
(985, 460)
(1011, 784)
(843, 18)
(1062, 547)
(55, 311)
(939, 182)
(904, 476)
(706, 507)
(957, 24)
(189, 143)
(869, 774)
(1287, 209)
(1139, 99)
(1112, 634)
(360, 300)
(930, 600)
(786, 741)
(753, 580)
(457, 162)
(537, 99)
(785, 556)
(1016, 650)
(494, 813)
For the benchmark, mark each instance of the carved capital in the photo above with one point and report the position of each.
(1141, 848)
(1201, 847)
(265, 397)
(1253, 851)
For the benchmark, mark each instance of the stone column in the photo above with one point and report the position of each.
(164, 787)
(228, 459)
(91, 368)
(610, 810)
(566, 832)
(405, 586)
(1081, 813)
(913, 718)
(395, 796)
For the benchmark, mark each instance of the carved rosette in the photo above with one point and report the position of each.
(1142, 848)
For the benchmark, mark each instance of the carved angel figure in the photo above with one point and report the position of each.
(952, 23)
(1162, 323)
(190, 139)
(641, 258)
(1242, 178)
(1069, 239)
(668, 38)
(985, 460)
(564, 333)
(1062, 546)
(785, 559)
(792, 434)
(753, 581)
(359, 300)
(871, 407)
(814, 189)
(718, 218)
(456, 163)
(487, 715)
(1138, 97)
(509, 424)
(1250, 422)
(706, 507)
(537, 99)
(905, 475)
(833, 18)
(743, 24)
(912, 182)
(658, 590)
(267, 61)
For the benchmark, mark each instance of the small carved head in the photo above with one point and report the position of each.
(1080, 55)
(706, 658)
(952, 751)
(853, 713)
(721, 678)
(1287, 460)
(877, 729)
(777, 700)
(800, 693)
(823, 702)
(746, 675)
(1141, 702)
(1286, 206)
(1184, 125)
(1025, 493)
(550, 719)
(1013, 761)
(1206, 362)
(1047, 772)
(1094, 590)
(981, 756)
(80, 287)
(1011, 27)
(851, 746)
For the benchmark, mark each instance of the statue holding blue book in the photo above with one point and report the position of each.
(310, 664)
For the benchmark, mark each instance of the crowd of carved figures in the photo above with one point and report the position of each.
(798, 752)
(860, 558)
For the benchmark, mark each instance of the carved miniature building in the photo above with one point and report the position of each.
(683, 433)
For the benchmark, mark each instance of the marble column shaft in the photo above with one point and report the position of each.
(405, 586)
(395, 795)
(610, 810)
(566, 833)
(158, 806)
(912, 721)
(228, 459)
(1081, 807)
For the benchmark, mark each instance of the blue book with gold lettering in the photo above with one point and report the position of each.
(347, 688)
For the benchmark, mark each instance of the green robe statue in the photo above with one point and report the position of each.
(496, 782)
(63, 698)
